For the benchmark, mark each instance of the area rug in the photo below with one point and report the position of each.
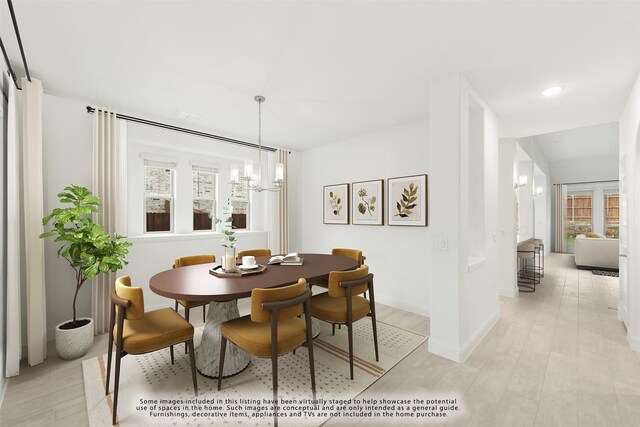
(605, 273)
(154, 392)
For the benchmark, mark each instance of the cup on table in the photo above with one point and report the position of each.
(248, 261)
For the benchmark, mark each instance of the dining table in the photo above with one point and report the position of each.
(196, 283)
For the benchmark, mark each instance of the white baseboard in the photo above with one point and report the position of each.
(480, 333)
(634, 342)
(460, 354)
(3, 388)
(508, 292)
(444, 350)
(402, 304)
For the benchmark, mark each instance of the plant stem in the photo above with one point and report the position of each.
(79, 281)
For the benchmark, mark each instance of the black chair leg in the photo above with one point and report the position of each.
(333, 329)
(223, 348)
(171, 352)
(204, 313)
(312, 369)
(350, 330)
(192, 359)
(375, 333)
(186, 317)
(274, 369)
(116, 386)
(109, 356)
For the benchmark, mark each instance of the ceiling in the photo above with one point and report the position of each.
(593, 141)
(332, 70)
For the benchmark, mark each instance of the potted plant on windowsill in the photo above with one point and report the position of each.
(89, 251)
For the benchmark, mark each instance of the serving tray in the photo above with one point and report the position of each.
(217, 271)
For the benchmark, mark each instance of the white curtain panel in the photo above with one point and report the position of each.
(560, 244)
(14, 280)
(279, 207)
(109, 177)
(33, 196)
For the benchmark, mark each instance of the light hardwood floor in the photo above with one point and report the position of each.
(556, 357)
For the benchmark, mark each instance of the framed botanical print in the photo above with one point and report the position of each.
(367, 202)
(336, 204)
(407, 200)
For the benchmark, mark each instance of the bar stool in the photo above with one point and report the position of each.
(527, 279)
(535, 269)
(540, 255)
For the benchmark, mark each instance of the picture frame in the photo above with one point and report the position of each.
(335, 204)
(407, 203)
(367, 202)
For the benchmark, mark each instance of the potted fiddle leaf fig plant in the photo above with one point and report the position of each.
(90, 251)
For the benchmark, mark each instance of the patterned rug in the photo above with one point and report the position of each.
(605, 273)
(152, 391)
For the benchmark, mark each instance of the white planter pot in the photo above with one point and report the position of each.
(74, 343)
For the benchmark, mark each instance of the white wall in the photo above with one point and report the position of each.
(464, 289)
(586, 169)
(630, 158)
(525, 201)
(507, 217)
(392, 252)
(4, 82)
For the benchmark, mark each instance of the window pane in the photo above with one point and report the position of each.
(158, 212)
(203, 185)
(201, 211)
(612, 215)
(157, 181)
(579, 215)
(240, 212)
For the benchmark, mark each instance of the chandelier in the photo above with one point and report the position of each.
(251, 176)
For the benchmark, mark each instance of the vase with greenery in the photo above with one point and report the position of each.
(86, 246)
(225, 226)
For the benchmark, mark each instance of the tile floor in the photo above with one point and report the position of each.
(556, 357)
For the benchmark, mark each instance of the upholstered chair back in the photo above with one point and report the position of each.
(260, 296)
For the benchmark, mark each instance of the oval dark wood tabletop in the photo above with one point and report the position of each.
(194, 283)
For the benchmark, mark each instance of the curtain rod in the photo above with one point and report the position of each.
(587, 182)
(91, 110)
(15, 27)
(10, 69)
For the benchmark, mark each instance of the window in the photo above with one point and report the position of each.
(579, 215)
(239, 201)
(611, 214)
(159, 187)
(204, 197)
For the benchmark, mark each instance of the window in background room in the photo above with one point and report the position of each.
(579, 214)
(240, 202)
(611, 213)
(159, 196)
(204, 197)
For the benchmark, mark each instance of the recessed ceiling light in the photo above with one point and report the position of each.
(552, 91)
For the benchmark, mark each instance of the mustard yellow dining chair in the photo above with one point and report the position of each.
(272, 329)
(137, 332)
(354, 254)
(254, 252)
(342, 304)
(184, 262)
